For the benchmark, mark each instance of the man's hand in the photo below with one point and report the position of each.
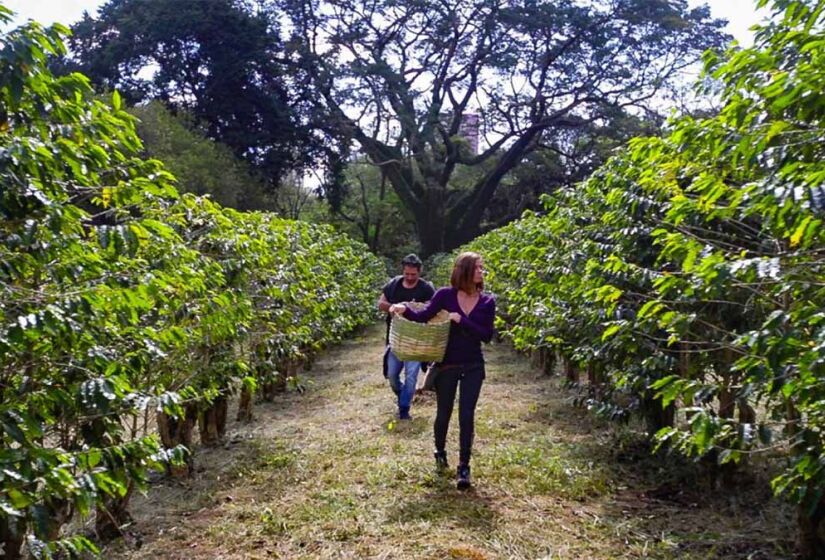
(398, 308)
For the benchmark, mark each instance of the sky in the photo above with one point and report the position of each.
(740, 14)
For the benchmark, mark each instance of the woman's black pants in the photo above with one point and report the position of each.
(469, 377)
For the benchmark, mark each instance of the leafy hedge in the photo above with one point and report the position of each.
(125, 307)
(685, 277)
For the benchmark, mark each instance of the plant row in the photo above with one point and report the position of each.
(129, 314)
(685, 280)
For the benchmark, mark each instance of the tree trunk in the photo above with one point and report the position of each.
(727, 402)
(594, 380)
(113, 514)
(571, 372)
(59, 513)
(684, 361)
(12, 535)
(178, 431)
(727, 398)
(268, 391)
(812, 529)
(687, 371)
(272, 388)
(431, 225)
(536, 359)
(650, 408)
(549, 361)
(810, 523)
(278, 384)
(656, 416)
(727, 409)
(245, 405)
(222, 411)
(292, 368)
(544, 359)
(747, 414)
(212, 422)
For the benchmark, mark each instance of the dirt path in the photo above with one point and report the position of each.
(330, 474)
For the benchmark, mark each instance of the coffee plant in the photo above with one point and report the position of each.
(129, 314)
(684, 280)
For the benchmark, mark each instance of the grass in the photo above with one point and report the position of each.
(543, 470)
(330, 474)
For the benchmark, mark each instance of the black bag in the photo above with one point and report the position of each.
(386, 362)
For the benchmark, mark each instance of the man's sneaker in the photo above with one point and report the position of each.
(463, 477)
(404, 414)
(441, 460)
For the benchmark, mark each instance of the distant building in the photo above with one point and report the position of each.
(469, 129)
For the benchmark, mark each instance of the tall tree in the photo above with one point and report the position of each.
(200, 165)
(401, 78)
(220, 61)
(371, 211)
(564, 159)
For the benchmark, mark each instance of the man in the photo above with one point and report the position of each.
(407, 287)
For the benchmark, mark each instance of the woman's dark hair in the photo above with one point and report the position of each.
(412, 260)
(463, 272)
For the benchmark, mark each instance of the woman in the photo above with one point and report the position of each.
(472, 313)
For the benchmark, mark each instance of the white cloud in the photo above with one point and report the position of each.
(47, 12)
(741, 15)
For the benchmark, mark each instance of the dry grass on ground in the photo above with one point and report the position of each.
(330, 474)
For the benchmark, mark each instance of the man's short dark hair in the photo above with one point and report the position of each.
(412, 260)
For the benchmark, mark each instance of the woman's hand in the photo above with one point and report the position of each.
(398, 308)
(455, 317)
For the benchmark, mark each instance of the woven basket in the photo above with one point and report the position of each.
(420, 342)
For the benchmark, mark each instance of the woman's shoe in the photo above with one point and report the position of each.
(441, 460)
(463, 477)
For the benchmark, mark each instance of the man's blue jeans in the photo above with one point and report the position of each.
(405, 389)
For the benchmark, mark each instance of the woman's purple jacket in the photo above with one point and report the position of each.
(466, 336)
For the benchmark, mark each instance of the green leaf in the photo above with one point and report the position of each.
(19, 500)
(11, 425)
(650, 309)
(800, 231)
(611, 330)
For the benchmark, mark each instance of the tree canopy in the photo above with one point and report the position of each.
(200, 165)
(220, 60)
(401, 78)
